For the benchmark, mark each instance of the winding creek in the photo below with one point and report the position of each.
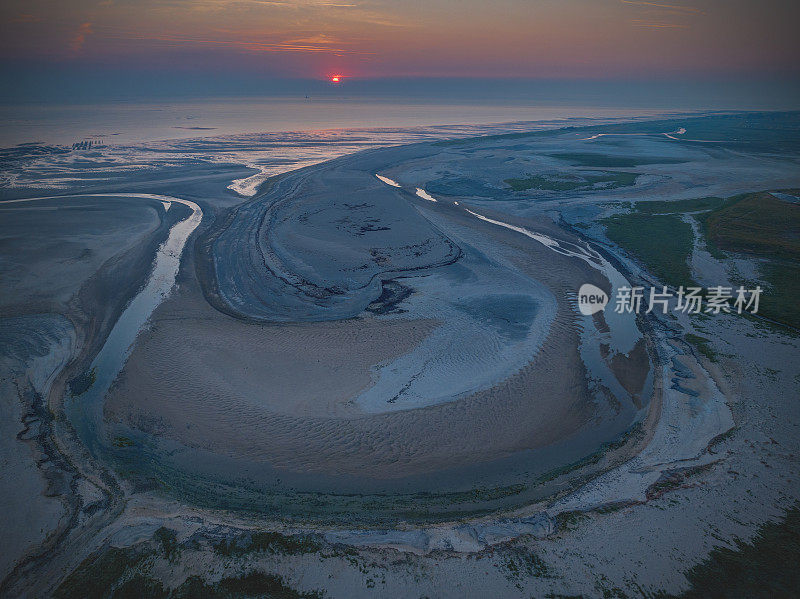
(86, 415)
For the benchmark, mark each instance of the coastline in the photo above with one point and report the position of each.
(604, 483)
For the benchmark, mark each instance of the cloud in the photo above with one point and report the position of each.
(658, 15)
(79, 39)
(308, 44)
(296, 4)
(668, 7)
(657, 24)
(334, 10)
(215, 5)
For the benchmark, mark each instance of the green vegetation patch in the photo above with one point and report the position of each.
(140, 587)
(761, 225)
(569, 520)
(765, 567)
(520, 562)
(756, 223)
(609, 161)
(663, 243)
(268, 542)
(780, 301)
(703, 346)
(168, 540)
(477, 494)
(255, 584)
(680, 206)
(98, 574)
(604, 180)
(124, 573)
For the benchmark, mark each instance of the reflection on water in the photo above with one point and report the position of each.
(125, 123)
(86, 410)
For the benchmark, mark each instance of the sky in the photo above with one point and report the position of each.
(385, 39)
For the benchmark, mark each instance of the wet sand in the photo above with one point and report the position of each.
(61, 260)
(278, 400)
(202, 396)
(235, 397)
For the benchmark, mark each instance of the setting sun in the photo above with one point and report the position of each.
(335, 78)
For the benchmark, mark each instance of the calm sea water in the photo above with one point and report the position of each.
(129, 123)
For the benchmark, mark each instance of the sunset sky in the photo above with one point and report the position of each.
(382, 38)
(79, 42)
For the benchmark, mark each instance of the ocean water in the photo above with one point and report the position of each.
(115, 123)
(270, 136)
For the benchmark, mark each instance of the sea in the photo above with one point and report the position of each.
(134, 122)
(271, 135)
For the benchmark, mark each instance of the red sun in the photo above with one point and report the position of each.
(336, 78)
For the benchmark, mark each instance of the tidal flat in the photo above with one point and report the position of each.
(347, 383)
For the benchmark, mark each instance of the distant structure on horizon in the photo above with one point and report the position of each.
(88, 144)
